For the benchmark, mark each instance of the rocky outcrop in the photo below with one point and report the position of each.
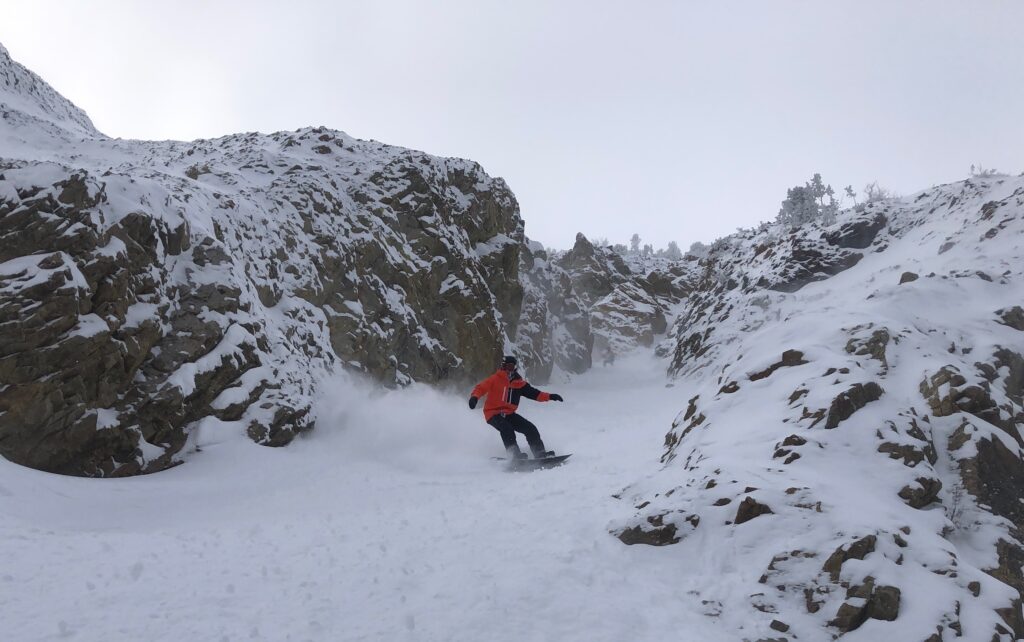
(153, 294)
(594, 271)
(806, 261)
(850, 401)
(1012, 317)
(857, 234)
(627, 317)
(554, 325)
(750, 508)
(986, 447)
(591, 300)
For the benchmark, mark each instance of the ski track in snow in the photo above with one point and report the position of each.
(389, 522)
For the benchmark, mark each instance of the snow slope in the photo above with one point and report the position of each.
(397, 527)
(852, 433)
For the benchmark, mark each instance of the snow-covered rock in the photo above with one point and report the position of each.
(554, 326)
(850, 450)
(32, 111)
(153, 293)
(591, 299)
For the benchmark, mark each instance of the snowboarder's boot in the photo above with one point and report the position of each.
(543, 454)
(515, 453)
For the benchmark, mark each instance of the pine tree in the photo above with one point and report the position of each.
(850, 193)
(673, 252)
(799, 208)
(698, 249)
(815, 201)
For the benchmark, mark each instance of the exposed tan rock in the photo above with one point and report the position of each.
(750, 508)
(858, 549)
(923, 492)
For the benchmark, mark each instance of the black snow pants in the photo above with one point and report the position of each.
(509, 425)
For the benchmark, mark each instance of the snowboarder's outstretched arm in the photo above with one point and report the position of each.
(530, 392)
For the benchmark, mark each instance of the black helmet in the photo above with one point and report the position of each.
(509, 360)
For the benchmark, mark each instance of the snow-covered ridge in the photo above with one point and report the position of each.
(27, 99)
(849, 445)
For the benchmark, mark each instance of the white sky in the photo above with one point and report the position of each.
(675, 120)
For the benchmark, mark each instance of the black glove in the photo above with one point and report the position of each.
(472, 403)
(556, 397)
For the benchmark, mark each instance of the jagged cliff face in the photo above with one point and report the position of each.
(151, 291)
(554, 328)
(853, 421)
(590, 300)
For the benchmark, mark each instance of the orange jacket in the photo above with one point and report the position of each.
(503, 392)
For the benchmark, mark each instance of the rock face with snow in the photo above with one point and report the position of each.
(157, 292)
(554, 327)
(852, 434)
(591, 299)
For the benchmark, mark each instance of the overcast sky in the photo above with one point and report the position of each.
(675, 120)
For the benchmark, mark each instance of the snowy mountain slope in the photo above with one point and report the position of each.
(851, 450)
(32, 111)
(155, 292)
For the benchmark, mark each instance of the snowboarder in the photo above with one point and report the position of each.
(503, 390)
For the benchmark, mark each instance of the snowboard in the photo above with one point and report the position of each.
(534, 464)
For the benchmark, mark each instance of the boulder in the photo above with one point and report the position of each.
(789, 359)
(750, 508)
(656, 531)
(856, 550)
(1012, 317)
(908, 277)
(849, 402)
(922, 492)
